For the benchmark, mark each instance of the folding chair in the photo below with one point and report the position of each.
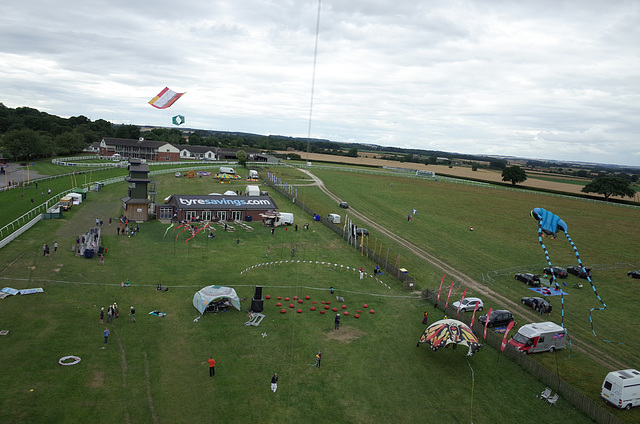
(553, 400)
(546, 394)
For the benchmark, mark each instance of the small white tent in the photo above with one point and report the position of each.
(206, 295)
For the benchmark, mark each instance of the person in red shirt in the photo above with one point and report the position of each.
(212, 366)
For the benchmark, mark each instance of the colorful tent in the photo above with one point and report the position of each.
(206, 295)
(450, 331)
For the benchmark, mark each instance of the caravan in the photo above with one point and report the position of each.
(539, 337)
(622, 388)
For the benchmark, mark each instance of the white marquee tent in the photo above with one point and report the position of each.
(206, 295)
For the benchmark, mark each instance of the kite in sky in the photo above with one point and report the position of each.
(165, 99)
(550, 224)
(178, 120)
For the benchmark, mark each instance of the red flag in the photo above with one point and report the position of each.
(487, 323)
(504, 339)
(460, 304)
(473, 317)
(449, 295)
(440, 289)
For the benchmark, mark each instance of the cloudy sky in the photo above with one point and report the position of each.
(548, 79)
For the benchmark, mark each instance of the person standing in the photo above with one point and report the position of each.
(212, 366)
(101, 259)
(132, 314)
(110, 314)
(44, 250)
(337, 322)
(274, 382)
(102, 315)
(425, 320)
(55, 247)
(361, 273)
(106, 334)
(318, 359)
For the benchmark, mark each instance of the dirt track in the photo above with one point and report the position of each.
(584, 348)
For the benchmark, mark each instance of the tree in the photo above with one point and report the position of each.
(515, 174)
(610, 186)
(26, 144)
(242, 158)
(498, 163)
(353, 152)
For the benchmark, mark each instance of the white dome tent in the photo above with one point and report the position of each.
(210, 294)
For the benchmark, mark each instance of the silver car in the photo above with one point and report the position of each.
(469, 304)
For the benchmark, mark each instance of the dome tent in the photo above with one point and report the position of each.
(206, 295)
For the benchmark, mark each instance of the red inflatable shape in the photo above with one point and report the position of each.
(283, 311)
(322, 312)
(268, 297)
(291, 305)
(307, 297)
(344, 306)
(372, 311)
(279, 298)
(295, 297)
(299, 311)
(323, 302)
(326, 306)
(328, 303)
(346, 313)
(314, 302)
(299, 300)
(364, 306)
(287, 299)
(313, 308)
(358, 311)
(357, 316)
(334, 309)
(278, 304)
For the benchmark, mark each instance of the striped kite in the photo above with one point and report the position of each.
(165, 99)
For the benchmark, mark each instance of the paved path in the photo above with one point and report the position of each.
(18, 174)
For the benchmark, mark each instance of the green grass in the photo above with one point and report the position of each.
(158, 365)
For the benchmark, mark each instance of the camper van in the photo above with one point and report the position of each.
(284, 218)
(622, 388)
(227, 170)
(334, 217)
(253, 173)
(252, 190)
(66, 203)
(539, 337)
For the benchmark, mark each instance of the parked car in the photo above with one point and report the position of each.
(362, 231)
(539, 304)
(344, 205)
(499, 318)
(577, 270)
(558, 271)
(469, 304)
(530, 279)
(634, 274)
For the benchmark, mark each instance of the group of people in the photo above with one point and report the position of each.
(112, 312)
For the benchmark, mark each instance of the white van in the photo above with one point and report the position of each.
(227, 170)
(334, 217)
(253, 173)
(284, 218)
(622, 388)
(539, 337)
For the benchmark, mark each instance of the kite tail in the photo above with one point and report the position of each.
(555, 283)
(168, 228)
(593, 287)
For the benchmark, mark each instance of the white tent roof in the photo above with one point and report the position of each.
(206, 295)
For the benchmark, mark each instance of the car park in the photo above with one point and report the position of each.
(578, 271)
(634, 274)
(362, 232)
(498, 318)
(536, 303)
(468, 304)
(529, 279)
(558, 271)
(344, 205)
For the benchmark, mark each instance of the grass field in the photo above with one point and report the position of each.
(155, 370)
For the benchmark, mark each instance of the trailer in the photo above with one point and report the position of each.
(622, 388)
(539, 337)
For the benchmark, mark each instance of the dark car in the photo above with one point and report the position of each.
(361, 232)
(499, 318)
(539, 304)
(558, 271)
(577, 270)
(634, 274)
(344, 205)
(530, 279)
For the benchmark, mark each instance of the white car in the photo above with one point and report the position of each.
(469, 304)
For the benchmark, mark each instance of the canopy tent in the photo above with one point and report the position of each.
(208, 294)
